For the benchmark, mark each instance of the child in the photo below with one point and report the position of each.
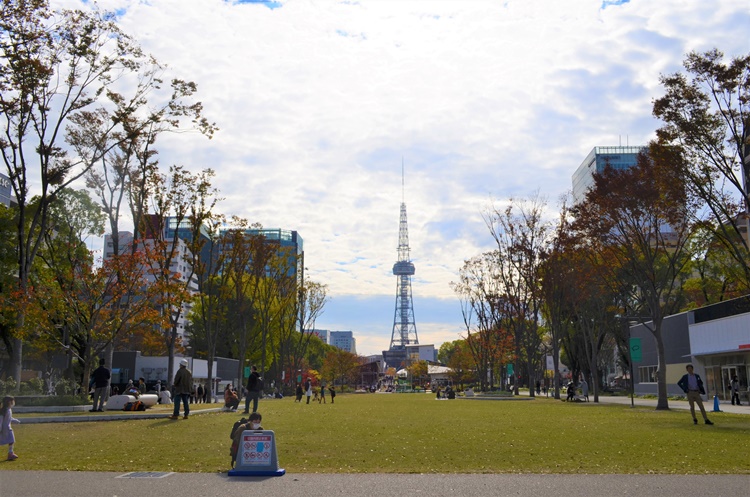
(253, 423)
(6, 432)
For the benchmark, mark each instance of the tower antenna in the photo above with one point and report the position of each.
(404, 326)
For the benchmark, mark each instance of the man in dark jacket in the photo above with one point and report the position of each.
(100, 378)
(183, 385)
(254, 385)
(692, 385)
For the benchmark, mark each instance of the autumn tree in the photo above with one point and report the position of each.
(557, 290)
(298, 323)
(458, 357)
(182, 202)
(479, 289)
(706, 115)
(522, 236)
(637, 221)
(55, 68)
(340, 365)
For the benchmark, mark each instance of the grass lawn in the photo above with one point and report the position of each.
(407, 433)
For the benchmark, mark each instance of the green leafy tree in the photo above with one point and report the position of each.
(705, 113)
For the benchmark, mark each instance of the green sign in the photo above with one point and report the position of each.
(247, 371)
(636, 353)
(510, 369)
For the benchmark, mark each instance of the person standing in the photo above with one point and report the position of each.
(308, 389)
(142, 385)
(322, 393)
(7, 437)
(183, 385)
(199, 396)
(692, 385)
(254, 385)
(332, 391)
(735, 390)
(585, 389)
(100, 377)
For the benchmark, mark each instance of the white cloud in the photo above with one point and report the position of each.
(319, 101)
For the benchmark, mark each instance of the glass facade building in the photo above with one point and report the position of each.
(617, 157)
(5, 190)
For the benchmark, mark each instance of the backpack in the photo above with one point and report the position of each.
(236, 425)
(134, 406)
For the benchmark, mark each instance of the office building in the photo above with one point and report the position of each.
(343, 340)
(600, 157)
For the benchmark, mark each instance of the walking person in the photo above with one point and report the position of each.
(322, 393)
(332, 392)
(308, 390)
(692, 385)
(7, 437)
(735, 390)
(183, 386)
(254, 386)
(100, 377)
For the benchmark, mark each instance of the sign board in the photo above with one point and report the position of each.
(550, 363)
(256, 455)
(247, 371)
(510, 369)
(636, 353)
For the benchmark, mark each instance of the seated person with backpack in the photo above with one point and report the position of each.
(252, 423)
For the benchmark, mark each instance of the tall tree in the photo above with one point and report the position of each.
(522, 236)
(706, 113)
(57, 74)
(638, 221)
(182, 202)
(484, 313)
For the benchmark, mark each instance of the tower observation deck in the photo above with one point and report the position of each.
(404, 327)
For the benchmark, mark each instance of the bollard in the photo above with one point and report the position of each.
(716, 404)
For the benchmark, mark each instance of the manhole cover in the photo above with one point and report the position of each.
(145, 474)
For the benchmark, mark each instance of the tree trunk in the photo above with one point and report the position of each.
(662, 402)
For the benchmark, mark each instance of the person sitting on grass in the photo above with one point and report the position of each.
(253, 423)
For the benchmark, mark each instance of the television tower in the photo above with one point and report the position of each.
(404, 327)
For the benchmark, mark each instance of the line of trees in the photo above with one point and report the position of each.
(80, 102)
(668, 234)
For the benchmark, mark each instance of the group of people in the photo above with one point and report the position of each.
(572, 391)
(448, 394)
(314, 393)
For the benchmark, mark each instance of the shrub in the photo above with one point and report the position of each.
(8, 386)
(34, 386)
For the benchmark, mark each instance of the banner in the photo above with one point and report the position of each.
(636, 353)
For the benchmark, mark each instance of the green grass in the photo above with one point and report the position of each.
(408, 433)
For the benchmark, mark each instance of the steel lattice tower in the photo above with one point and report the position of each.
(404, 327)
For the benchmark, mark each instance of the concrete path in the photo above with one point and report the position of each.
(84, 484)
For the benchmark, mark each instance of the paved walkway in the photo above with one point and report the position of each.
(87, 484)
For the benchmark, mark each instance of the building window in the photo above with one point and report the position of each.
(647, 374)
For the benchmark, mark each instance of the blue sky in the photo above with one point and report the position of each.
(319, 101)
